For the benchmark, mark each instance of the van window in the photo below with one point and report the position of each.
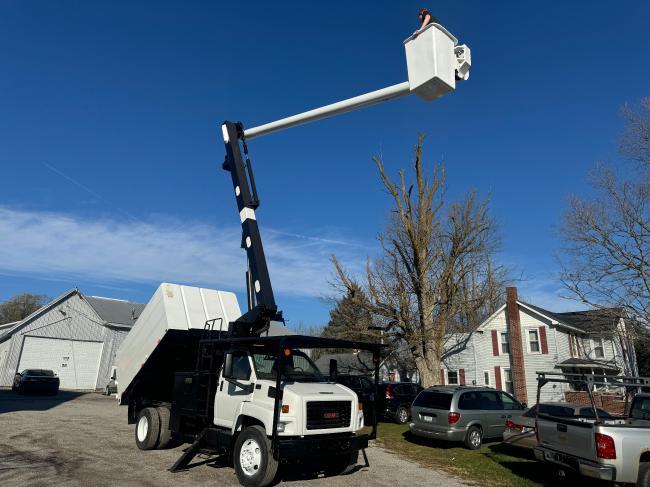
(433, 400)
(489, 401)
(469, 401)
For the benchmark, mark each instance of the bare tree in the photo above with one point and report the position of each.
(607, 237)
(20, 307)
(436, 272)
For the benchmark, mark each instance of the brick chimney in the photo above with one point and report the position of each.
(516, 345)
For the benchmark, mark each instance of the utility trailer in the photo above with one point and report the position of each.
(256, 400)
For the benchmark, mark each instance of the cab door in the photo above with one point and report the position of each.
(229, 396)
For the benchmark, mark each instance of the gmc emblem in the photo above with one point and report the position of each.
(333, 415)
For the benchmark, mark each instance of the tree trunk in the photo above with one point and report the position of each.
(429, 369)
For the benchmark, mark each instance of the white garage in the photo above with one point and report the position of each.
(74, 335)
(76, 362)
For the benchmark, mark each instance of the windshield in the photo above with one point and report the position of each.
(297, 366)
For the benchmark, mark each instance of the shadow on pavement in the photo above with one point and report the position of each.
(12, 401)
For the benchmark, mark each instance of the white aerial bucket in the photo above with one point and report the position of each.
(431, 62)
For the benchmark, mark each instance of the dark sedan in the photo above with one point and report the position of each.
(35, 381)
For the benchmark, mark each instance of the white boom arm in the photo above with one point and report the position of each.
(435, 62)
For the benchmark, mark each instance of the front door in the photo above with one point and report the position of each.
(229, 396)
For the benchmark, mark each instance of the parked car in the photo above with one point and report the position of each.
(463, 414)
(111, 387)
(365, 389)
(520, 430)
(36, 380)
(394, 400)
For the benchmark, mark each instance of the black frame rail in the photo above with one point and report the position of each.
(630, 384)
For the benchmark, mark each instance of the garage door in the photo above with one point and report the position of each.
(76, 362)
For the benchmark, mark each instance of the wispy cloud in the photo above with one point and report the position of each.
(104, 251)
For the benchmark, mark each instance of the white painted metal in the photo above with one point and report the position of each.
(143, 428)
(76, 362)
(350, 104)
(172, 307)
(431, 62)
(433, 59)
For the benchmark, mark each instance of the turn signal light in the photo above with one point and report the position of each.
(285, 409)
(453, 418)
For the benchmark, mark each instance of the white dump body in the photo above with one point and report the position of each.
(172, 307)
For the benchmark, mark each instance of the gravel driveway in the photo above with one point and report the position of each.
(83, 439)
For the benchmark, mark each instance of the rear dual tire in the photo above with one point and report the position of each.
(152, 428)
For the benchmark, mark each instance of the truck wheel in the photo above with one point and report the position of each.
(165, 433)
(254, 462)
(473, 438)
(643, 479)
(147, 429)
(401, 415)
(342, 465)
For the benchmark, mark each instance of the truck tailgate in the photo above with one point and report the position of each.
(568, 436)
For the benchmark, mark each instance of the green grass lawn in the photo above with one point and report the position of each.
(494, 464)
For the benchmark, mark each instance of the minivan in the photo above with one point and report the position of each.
(463, 413)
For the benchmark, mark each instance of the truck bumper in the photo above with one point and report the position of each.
(294, 449)
(582, 466)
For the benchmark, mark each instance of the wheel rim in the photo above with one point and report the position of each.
(143, 428)
(250, 457)
(403, 416)
(475, 438)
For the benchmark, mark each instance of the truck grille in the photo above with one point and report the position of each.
(328, 414)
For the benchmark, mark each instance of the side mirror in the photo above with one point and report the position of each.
(334, 369)
(227, 366)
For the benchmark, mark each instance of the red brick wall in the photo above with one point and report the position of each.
(612, 403)
(516, 345)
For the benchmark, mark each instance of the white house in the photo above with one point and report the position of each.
(519, 339)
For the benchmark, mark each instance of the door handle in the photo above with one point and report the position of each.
(221, 386)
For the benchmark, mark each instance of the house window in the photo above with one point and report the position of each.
(533, 341)
(505, 343)
(598, 348)
(452, 377)
(486, 377)
(507, 379)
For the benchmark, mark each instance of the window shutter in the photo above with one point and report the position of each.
(495, 343)
(497, 377)
(442, 376)
(461, 376)
(542, 338)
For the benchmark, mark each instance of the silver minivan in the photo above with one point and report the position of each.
(463, 413)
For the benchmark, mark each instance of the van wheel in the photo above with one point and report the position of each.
(401, 415)
(473, 438)
(254, 462)
(342, 465)
(165, 433)
(147, 429)
(643, 479)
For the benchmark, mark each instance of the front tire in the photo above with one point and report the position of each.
(474, 438)
(254, 462)
(401, 415)
(147, 429)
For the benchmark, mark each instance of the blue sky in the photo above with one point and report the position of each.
(110, 150)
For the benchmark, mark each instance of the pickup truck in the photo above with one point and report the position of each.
(258, 401)
(610, 449)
